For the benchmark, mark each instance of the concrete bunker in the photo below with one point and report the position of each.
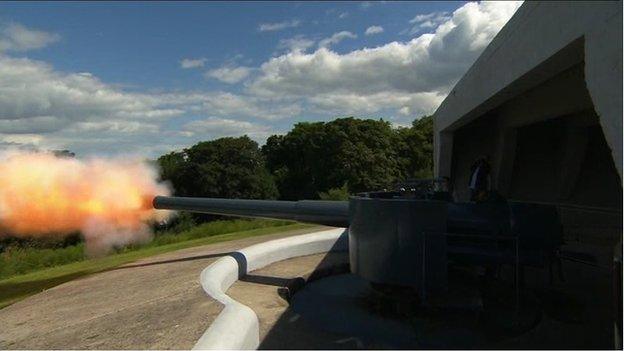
(544, 103)
(545, 145)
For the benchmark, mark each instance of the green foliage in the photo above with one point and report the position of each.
(336, 194)
(366, 154)
(423, 173)
(216, 228)
(225, 167)
(52, 242)
(415, 149)
(316, 157)
(23, 260)
(310, 160)
(182, 222)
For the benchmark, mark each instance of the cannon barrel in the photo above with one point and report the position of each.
(332, 213)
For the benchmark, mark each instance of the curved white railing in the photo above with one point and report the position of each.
(237, 326)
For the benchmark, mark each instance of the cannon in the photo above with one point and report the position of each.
(406, 241)
(331, 213)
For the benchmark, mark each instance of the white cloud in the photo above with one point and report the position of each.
(435, 16)
(213, 127)
(29, 141)
(31, 89)
(343, 15)
(428, 21)
(16, 37)
(374, 30)
(39, 124)
(41, 107)
(226, 104)
(230, 75)
(44, 108)
(422, 69)
(365, 5)
(336, 38)
(356, 104)
(270, 27)
(297, 43)
(192, 63)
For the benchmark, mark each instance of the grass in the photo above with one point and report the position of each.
(61, 269)
(22, 260)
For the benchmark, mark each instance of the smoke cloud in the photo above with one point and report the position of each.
(107, 200)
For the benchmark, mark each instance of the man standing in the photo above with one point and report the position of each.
(479, 179)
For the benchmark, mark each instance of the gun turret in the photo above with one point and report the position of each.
(405, 241)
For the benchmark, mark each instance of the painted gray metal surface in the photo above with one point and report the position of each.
(332, 213)
(399, 242)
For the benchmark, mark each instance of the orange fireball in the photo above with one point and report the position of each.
(104, 199)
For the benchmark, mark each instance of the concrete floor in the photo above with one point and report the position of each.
(574, 314)
(280, 327)
(154, 303)
(577, 313)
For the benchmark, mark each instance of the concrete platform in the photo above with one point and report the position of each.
(268, 290)
(155, 303)
(572, 316)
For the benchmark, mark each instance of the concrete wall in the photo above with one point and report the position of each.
(545, 144)
(542, 172)
(540, 42)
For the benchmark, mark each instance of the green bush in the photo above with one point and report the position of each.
(214, 228)
(182, 222)
(16, 261)
(336, 194)
(232, 168)
(319, 157)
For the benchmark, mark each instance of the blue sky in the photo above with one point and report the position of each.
(110, 78)
(140, 43)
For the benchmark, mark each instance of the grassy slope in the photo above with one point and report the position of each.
(19, 287)
(22, 260)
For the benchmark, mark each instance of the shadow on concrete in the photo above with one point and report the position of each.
(242, 263)
(266, 280)
(11, 292)
(293, 332)
(176, 260)
(577, 314)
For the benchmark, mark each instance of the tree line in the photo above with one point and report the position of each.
(313, 160)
